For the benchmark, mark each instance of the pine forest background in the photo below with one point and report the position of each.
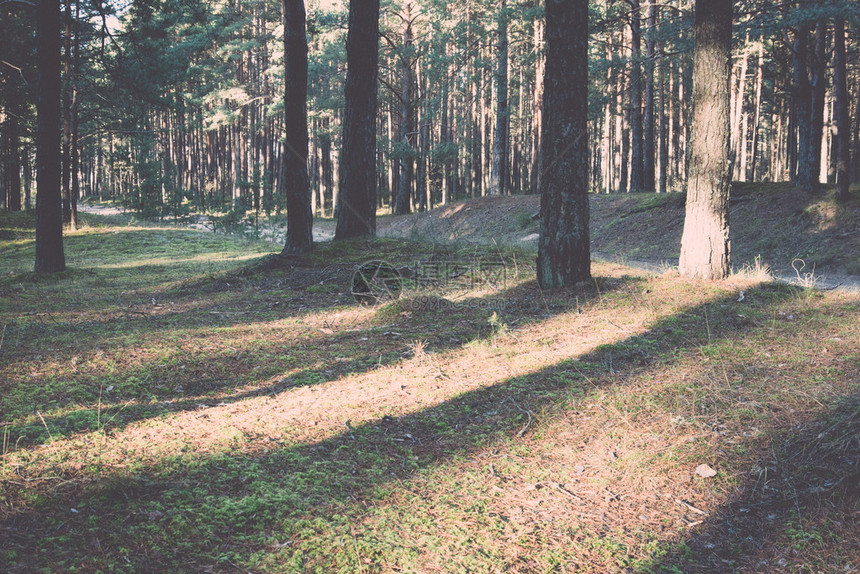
(174, 107)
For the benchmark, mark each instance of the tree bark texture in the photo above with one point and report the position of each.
(819, 92)
(564, 256)
(50, 257)
(295, 158)
(705, 242)
(499, 175)
(407, 162)
(802, 105)
(356, 215)
(637, 137)
(12, 171)
(650, 137)
(843, 121)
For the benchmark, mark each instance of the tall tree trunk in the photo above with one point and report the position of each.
(564, 257)
(677, 113)
(67, 113)
(299, 214)
(50, 256)
(754, 166)
(75, 151)
(830, 158)
(637, 159)
(843, 121)
(424, 144)
(705, 242)
(802, 104)
(650, 142)
(819, 94)
(404, 190)
(624, 131)
(356, 214)
(738, 99)
(606, 135)
(12, 167)
(663, 169)
(537, 107)
(28, 178)
(855, 169)
(499, 175)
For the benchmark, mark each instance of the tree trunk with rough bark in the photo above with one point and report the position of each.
(650, 141)
(12, 167)
(637, 137)
(843, 121)
(819, 94)
(802, 106)
(564, 257)
(705, 243)
(50, 256)
(356, 214)
(499, 175)
(537, 107)
(407, 162)
(754, 167)
(299, 215)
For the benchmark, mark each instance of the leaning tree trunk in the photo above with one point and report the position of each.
(295, 159)
(499, 175)
(705, 242)
(50, 256)
(843, 121)
(356, 214)
(564, 257)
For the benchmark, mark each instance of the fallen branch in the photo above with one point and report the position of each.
(689, 506)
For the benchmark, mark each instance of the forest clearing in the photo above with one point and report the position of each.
(189, 401)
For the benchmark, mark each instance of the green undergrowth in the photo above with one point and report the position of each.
(182, 401)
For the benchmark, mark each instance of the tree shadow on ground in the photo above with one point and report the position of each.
(796, 510)
(152, 300)
(228, 505)
(269, 368)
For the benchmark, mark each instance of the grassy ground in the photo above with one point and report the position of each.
(183, 401)
(787, 229)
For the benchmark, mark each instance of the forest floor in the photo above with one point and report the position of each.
(181, 401)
